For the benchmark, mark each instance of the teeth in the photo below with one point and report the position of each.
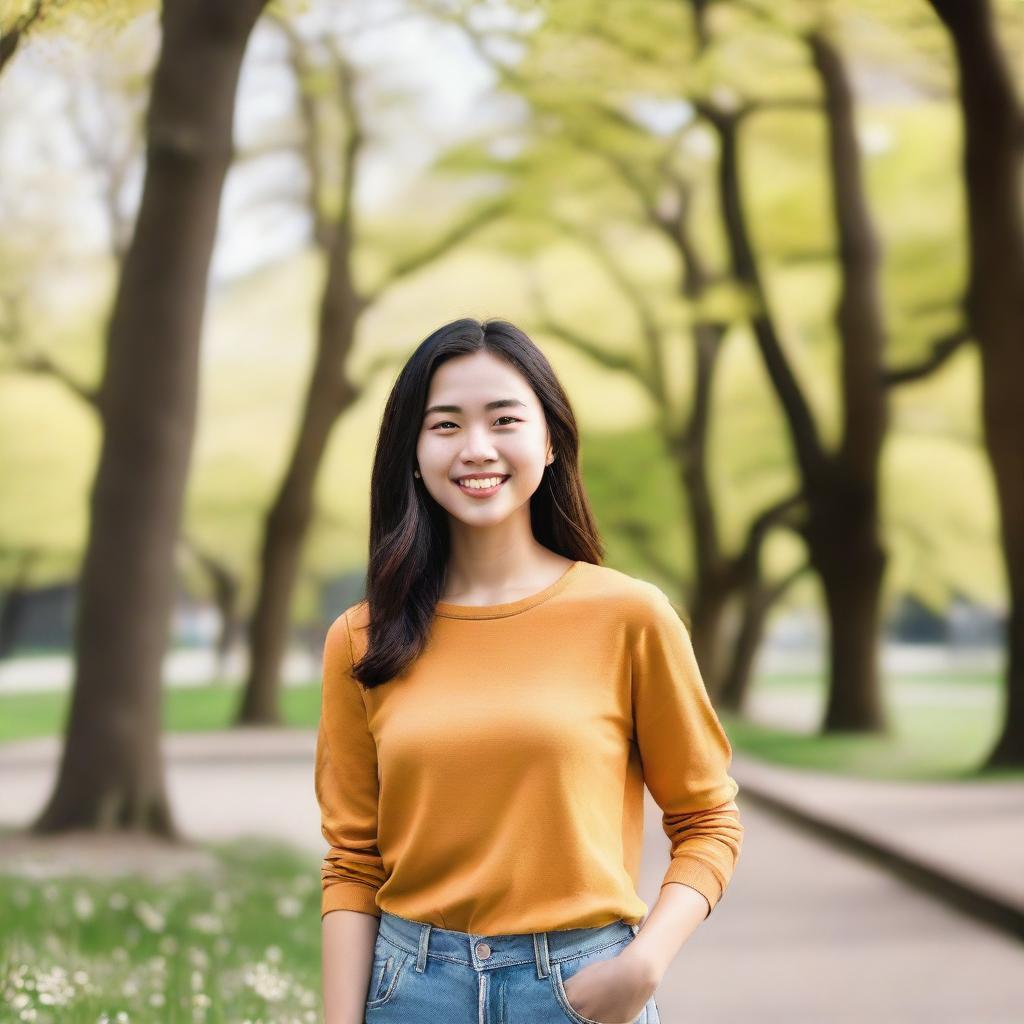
(478, 485)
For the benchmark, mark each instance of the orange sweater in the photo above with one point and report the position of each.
(496, 786)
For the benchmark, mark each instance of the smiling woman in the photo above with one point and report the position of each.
(476, 493)
(490, 715)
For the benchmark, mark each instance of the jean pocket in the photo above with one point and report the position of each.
(565, 969)
(389, 966)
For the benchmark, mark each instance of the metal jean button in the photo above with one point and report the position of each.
(483, 950)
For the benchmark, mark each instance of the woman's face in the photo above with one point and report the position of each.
(464, 438)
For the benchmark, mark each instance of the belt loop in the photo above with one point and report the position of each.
(540, 952)
(421, 958)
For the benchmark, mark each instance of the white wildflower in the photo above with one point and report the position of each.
(83, 904)
(207, 923)
(150, 916)
(266, 982)
(289, 906)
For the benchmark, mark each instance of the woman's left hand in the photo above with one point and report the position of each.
(611, 991)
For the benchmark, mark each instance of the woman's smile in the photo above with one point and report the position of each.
(476, 487)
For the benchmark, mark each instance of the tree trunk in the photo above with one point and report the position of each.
(111, 774)
(843, 528)
(840, 489)
(758, 600)
(992, 119)
(329, 394)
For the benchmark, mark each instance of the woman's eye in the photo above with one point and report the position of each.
(448, 423)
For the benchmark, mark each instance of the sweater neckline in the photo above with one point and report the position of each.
(494, 611)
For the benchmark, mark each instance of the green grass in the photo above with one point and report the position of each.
(185, 709)
(939, 727)
(947, 734)
(244, 945)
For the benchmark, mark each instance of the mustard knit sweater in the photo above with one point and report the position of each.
(496, 786)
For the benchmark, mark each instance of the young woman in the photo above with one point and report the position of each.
(490, 715)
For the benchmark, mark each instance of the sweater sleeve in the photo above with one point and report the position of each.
(346, 784)
(685, 754)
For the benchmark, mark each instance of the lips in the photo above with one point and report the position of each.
(482, 492)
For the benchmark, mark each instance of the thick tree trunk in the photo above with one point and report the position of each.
(849, 560)
(993, 157)
(111, 774)
(843, 529)
(840, 489)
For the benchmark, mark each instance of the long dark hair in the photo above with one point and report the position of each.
(409, 542)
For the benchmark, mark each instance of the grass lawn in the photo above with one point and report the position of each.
(942, 726)
(244, 946)
(939, 727)
(186, 709)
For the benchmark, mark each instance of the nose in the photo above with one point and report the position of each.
(477, 448)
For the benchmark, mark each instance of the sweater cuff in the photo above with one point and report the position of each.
(349, 896)
(697, 875)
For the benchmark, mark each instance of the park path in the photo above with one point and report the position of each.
(814, 928)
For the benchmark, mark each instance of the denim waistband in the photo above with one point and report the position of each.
(484, 952)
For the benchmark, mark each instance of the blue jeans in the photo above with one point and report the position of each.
(423, 974)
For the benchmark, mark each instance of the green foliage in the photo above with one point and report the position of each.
(600, 88)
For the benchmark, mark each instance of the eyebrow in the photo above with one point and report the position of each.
(499, 403)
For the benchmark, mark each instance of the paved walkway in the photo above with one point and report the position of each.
(812, 928)
(960, 840)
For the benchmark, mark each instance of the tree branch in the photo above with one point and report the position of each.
(942, 349)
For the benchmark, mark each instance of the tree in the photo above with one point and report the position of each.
(330, 392)
(659, 191)
(993, 127)
(110, 773)
(105, 104)
(840, 488)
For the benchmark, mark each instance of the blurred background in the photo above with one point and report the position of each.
(775, 252)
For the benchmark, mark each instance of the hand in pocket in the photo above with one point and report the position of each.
(612, 991)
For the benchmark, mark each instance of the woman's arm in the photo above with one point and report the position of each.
(347, 959)
(352, 870)
(677, 914)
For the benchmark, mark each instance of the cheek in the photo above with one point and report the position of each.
(431, 451)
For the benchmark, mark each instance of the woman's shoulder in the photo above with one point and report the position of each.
(635, 599)
(346, 626)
